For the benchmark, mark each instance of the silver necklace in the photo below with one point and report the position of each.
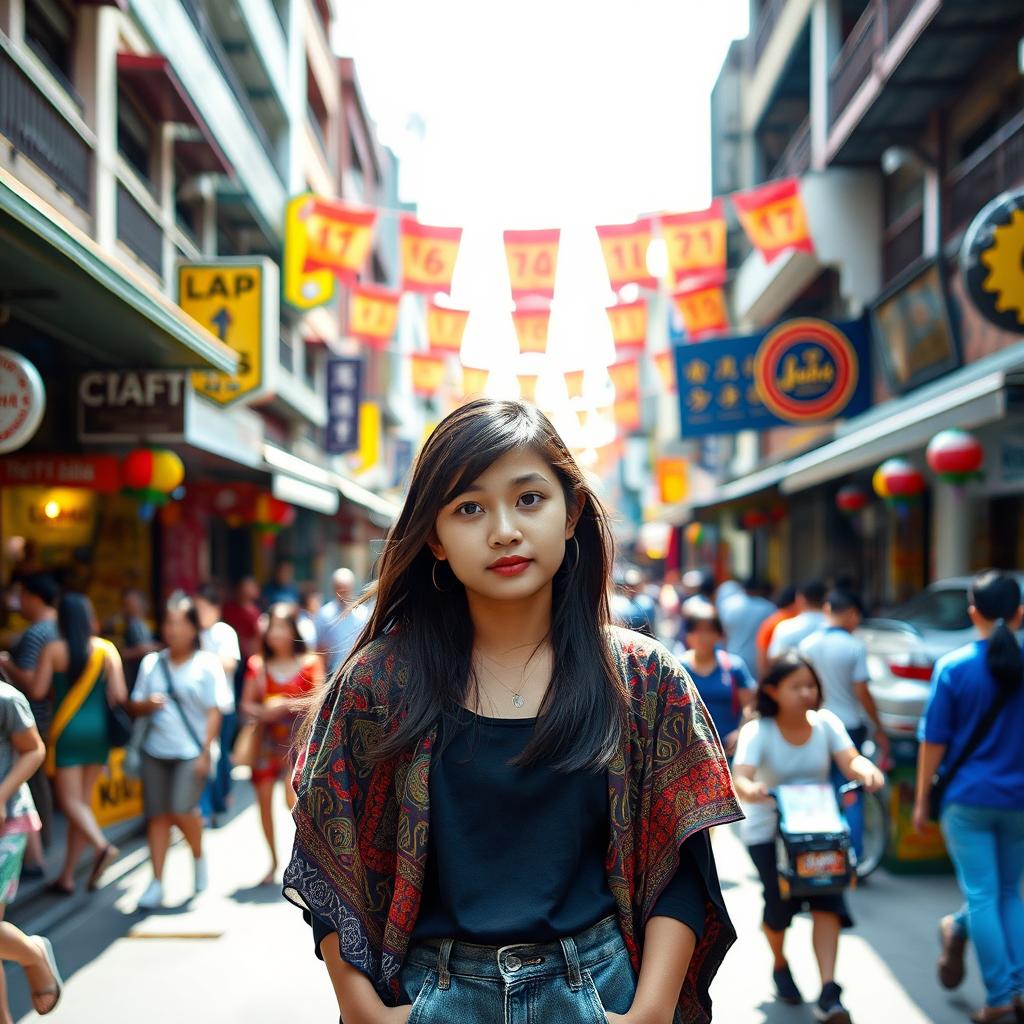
(517, 696)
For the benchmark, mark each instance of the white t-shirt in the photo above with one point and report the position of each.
(790, 633)
(200, 684)
(222, 640)
(777, 762)
(840, 659)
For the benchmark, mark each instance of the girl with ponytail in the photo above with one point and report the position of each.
(971, 753)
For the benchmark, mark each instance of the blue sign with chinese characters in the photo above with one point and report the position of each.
(801, 371)
(344, 395)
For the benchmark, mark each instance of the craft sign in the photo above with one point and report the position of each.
(116, 405)
(801, 371)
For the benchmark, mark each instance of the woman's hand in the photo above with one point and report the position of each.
(754, 793)
(202, 765)
(636, 1018)
(151, 705)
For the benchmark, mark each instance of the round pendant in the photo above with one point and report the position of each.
(517, 700)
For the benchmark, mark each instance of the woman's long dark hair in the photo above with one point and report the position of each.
(996, 596)
(75, 622)
(582, 717)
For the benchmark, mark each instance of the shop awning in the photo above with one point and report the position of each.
(152, 80)
(57, 278)
(744, 486)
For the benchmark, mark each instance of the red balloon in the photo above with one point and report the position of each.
(851, 498)
(955, 453)
(902, 479)
(137, 469)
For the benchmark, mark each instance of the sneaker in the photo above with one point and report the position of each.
(153, 897)
(951, 962)
(785, 987)
(829, 1008)
(202, 875)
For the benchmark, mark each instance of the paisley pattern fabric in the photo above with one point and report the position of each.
(362, 829)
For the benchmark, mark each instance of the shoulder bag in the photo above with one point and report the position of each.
(166, 669)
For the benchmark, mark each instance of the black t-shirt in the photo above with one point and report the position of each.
(517, 854)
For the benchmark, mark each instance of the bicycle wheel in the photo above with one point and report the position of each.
(876, 833)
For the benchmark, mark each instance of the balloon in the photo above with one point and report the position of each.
(137, 469)
(694, 533)
(955, 456)
(168, 471)
(851, 499)
(898, 481)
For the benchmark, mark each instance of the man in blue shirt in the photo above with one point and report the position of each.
(338, 622)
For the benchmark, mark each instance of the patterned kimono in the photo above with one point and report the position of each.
(362, 829)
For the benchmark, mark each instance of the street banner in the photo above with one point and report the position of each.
(574, 383)
(532, 329)
(344, 396)
(701, 301)
(532, 258)
(474, 382)
(802, 371)
(626, 412)
(695, 242)
(527, 386)
(625, 253)
(673, 476)
(428, 256)
(774, 218)
(629, 324)
(368, 454)
(331, 235)
(373, 314)
(445, 328)
(427, 374)
(665, 364)
(625, 377)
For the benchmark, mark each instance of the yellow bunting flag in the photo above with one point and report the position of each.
(626, 412)
(625, 378)
(701, 301)
(528, 387)
(665, 364)
(532, 260)
(574, 383)
(673, 475)
(629, 324)
(695, 241)
(337, 235)
(428, 256)
(774, 218)
(373, 314)
(445, 328)
(369, 436)
(625, 253)
(474, 381)
(427, 374)
(532, 329)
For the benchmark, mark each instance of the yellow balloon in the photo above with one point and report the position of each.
(168, 471)
(878, 482)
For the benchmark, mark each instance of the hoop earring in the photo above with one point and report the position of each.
(576, 562)
(433, 577)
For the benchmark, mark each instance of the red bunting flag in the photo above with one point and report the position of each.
(338, 236)
(625, 378)
(373, 314)
(474, 381)
(428, 256)
(445, 328)
(532, 260)
(574, 383)
(427, 374)
(625, 253)
(665, 364)
(701, 301)
(626, 412)
(528, 387)
(629, 324)
(696, 241)
(532, 329)
(774, 218)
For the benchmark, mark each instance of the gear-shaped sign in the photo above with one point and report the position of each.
(992, 261)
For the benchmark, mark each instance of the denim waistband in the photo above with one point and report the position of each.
(520, 961)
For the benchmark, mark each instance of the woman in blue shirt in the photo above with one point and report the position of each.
(982, 814)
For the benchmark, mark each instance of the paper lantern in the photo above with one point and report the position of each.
(694, 534)
(753, 519)
(152, 469)
(778, 512)
(897, 481)
(955, 456)
(270, 515)
(851, 499)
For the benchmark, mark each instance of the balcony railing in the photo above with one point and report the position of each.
(139, 231)
(36, 129)
(796, 158)
(318, 131)
(991, 169)
(902, 243)
(767, 18)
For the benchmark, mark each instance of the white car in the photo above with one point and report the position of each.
(904, 646)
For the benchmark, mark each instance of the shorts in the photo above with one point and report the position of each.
(12, 853)
(572, 981)
(170, 786)
(779, 913)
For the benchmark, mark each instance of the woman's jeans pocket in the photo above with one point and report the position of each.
(611, 985)
(418, 983)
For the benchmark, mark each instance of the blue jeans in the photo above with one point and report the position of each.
(572, 981)
(986, 845)
(215, 796)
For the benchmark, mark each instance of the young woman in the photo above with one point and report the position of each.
(792, 741)
(503, 802)
(722, 679)
(184, 692)
(85, 675)
(982, 815)
(276, 682)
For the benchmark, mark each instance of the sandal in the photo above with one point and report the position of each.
(54, 989)
(103, 860)
(995, 1015)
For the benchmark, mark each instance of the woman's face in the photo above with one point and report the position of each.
(504, 537)
(702, 637)
(796, 693)
(280, 637)
(178, 631)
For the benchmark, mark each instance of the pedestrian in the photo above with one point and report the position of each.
(184, 693)
(795, 740)
(310, 602)
(722, 679)
(340, 621)
(741, 613)
(700, 587)
(971, 735)
(281, 588)
(788, 608)
(276, 682)
(22, 752)
(38, 605)
(138, 639)
(810, 618)
(491, 819)
(242, 613)
(83, 672)
(218, 638)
